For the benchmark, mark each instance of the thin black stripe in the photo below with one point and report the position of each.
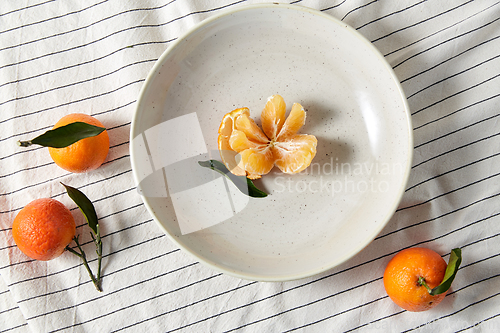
(27, 7)
(449, 59)
(50, 163)
(390, 14)
(374, 321)
(87, 62)
(8, 310)
(77, 82)
(30, 186)
(420, 22)
(480, 240)
(337, 314)
(436, 218)
(359, 7)
(20, 152)
(114, 109)
(121, 211)
(334, 6)
(440, 216)
(285, 291)
(291, 309)
(73, 102)
(13, 328)
(118, 158)
(52, 18)
(444, 42)
(451, 171)
(452, 76)
(452, 113)
(453, 313)
(478, 323)
(24, 133)
(188, 305)
(25, 169)
(446, 193)
(477, 262)
(441, 30)
(128, 123)
(456, 94)
(63, 193)
(313, 302)
(455, 149)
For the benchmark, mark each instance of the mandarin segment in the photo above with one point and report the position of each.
(248, 126)
(257, 162)
(239, 142)
(273, 116)
(293, 123)
(247, 150)
(296, 154)
(227, 154)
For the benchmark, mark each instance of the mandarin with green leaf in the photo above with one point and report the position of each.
(84, 155)
(409, 275)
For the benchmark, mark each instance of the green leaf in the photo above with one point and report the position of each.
(85, 206)
(244, 184)
(64, 136)
(451, 271)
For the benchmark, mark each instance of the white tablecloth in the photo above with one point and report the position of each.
(59, 57)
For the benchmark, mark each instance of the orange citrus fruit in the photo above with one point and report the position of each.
(43, 229)
(245, 149)
(401, 278)
(84, 155)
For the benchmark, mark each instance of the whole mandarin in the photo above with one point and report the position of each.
(43, 229)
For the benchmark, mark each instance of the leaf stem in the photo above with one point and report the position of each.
(96, 281)
(98, 245)
(421, 281)
(24, 143)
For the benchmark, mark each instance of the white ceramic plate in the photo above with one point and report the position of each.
(311, 221)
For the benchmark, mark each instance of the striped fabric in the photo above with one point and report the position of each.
(59, 57)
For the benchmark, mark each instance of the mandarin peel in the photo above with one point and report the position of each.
(246, 149)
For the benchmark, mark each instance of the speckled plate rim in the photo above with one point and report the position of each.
(273, 6)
